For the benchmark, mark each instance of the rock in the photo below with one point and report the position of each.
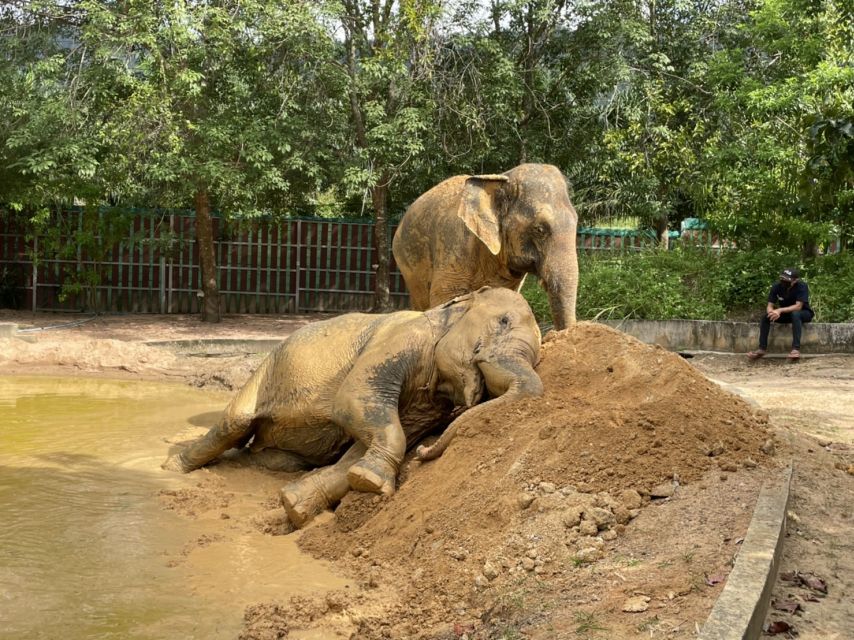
(602, 517)
(631, 499)
(588, 554)
(637, 604)
(525, 499)
(768, 447)
(417, 574)
(335, 602)
(717, 449)
(621, 515)
(531, 553)
(750, 463)
(528, 564)
(664, 490)
(729, 466)
(481, 581)
(490, 571)
(547, 487)
(595, 542)
(458, 554)
(588, 528)
(572, 516)
(374, 578)
(609, 535)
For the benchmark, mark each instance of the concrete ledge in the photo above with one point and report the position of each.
(740, 610)
(217, 345)
(736, 337)
(8, 329)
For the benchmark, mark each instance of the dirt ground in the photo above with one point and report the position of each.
(611, 508)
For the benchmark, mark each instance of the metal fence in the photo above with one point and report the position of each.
(151, 265)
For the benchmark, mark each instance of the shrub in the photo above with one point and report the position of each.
(694, 284)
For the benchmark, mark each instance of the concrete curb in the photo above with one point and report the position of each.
(251, 345)
(736, 337)
(8, 329)
(740, 610)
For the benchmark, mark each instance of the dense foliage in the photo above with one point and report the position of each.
(737, 111)
(702, 285)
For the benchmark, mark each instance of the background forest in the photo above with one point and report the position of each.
(739, 112)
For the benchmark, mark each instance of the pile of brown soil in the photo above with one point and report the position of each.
(541, 489)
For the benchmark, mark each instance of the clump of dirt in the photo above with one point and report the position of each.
(543, 488)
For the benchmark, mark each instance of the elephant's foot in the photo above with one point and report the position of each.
(372, 476)
(176, 463)
(302, 501)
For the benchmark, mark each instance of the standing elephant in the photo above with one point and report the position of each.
(355, 392)
(490, 230)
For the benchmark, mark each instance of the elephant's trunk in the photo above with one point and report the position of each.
(512, 379)
(559, 275)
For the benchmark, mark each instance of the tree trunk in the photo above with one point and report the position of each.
(379, 197)
(661, 231)
(810, 249)
(207, 260)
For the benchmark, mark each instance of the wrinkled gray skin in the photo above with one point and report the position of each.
(491, 230)
(351, 394)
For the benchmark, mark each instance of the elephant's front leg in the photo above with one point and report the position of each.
(319, 490)
(375, 423)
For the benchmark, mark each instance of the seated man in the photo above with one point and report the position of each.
(788, 303)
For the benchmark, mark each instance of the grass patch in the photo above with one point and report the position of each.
(587, 622)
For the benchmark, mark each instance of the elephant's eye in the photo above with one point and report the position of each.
(504, 321)
(541, 229)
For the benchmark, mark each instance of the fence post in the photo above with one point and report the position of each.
(35, 269)
(172, 238)
(162, 283)
(298, 265)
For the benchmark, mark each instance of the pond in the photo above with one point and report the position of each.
(87, 548)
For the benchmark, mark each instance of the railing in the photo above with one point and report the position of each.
(300, 265)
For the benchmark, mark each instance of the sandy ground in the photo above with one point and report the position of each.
(669, 562)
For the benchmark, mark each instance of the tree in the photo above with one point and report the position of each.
(207, 102)
(777, 168)
(387, 59)
(50, 150)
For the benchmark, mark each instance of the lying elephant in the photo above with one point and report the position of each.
(382, 381)
(490, 230)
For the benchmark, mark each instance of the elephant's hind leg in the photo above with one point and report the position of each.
(317, 491)
(224, 436)
(234, 428)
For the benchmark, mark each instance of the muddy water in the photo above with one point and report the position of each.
(87, 549)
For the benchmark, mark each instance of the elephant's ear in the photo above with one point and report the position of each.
(479, 210)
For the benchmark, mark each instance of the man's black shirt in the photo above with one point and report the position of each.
(784, 295)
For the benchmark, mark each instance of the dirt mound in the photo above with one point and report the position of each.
(545, 485)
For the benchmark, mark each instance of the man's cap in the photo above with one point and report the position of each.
(789, 274)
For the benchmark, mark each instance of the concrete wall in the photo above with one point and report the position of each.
(736, 337)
